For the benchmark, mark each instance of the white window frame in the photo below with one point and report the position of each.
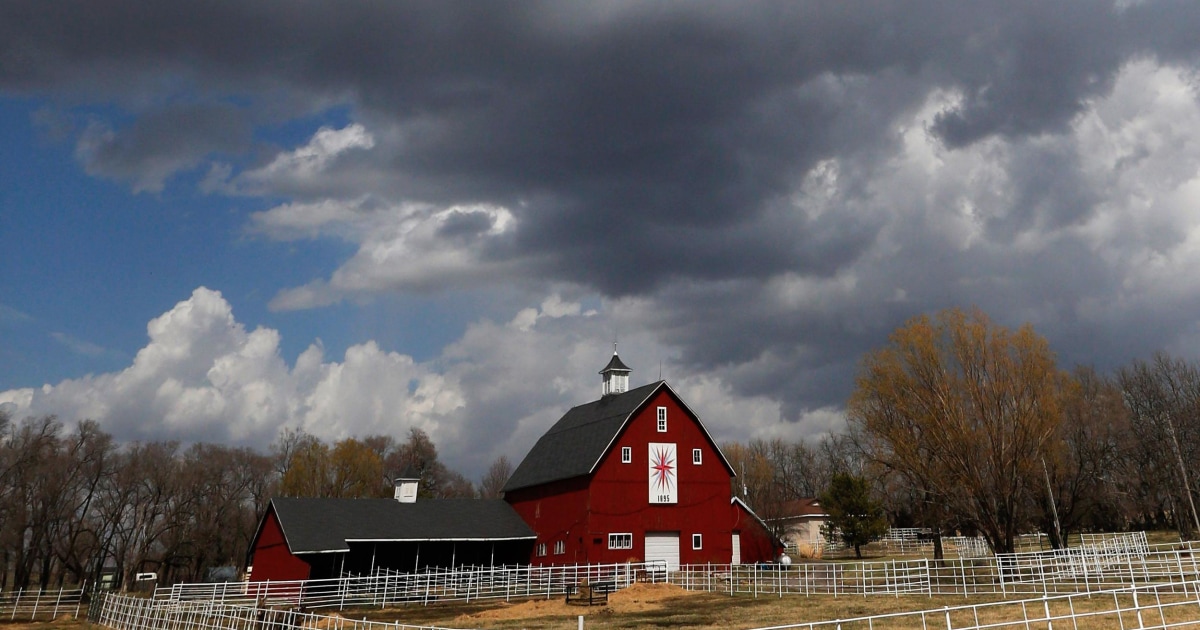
(560, 547)
(697, 541)
(662, 419)
(626, 454)
(541, 549)
(697, 456)
(620, 540)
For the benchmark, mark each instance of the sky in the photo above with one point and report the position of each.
(221, 219)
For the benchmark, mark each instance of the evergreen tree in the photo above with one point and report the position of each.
(853, 513)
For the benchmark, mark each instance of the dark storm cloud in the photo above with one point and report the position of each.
(162, 142)
(658, 149)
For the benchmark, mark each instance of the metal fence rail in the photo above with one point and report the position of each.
(122, 612)
(395, 589)
(35, 604)
(1150, 607)
(1034, 573)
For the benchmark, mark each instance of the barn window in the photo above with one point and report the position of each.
(662, 419)
(541, 549)
(560, 547)
(620, 541)
(697, 542)
(626, 454)
(697, 457)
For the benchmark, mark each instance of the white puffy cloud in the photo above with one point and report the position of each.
(307, 167)
(203, 377)
(311, 159)
(401, 247)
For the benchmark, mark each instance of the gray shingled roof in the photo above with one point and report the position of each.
(326, 525)
(579, 439)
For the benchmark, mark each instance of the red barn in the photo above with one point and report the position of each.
(634, 476)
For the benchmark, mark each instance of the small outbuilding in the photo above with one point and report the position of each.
(302, 539)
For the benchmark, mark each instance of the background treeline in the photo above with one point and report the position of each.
(961, 425)
(957, 424)
(74, 505)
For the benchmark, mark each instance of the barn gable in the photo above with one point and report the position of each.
(579, 441)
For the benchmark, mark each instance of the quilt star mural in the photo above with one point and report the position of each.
(664, 480)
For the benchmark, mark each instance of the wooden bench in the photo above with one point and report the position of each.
(590, 594)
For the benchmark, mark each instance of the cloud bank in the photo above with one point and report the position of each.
(759, 192)
(203, 377)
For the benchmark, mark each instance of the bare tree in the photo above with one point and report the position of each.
(1089, 452)
(1163, 398)
(964, 409)
(492, 484)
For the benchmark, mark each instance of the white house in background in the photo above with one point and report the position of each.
(800, 526)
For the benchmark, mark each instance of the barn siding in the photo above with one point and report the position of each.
(583, 511)
(620, 492)
(758, 544)
(272, 560)
(557, 511)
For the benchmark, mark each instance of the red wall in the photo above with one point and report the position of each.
(555, 511)
(758, 545)
(271, 559)
(582, 512)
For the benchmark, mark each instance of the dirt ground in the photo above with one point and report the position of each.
(636, 598)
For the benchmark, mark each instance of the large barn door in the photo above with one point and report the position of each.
(737, 548)
(663, 546)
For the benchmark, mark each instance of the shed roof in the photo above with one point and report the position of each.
(330, 525)
(575, 445)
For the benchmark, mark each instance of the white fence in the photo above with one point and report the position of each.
(419, 588)
(910, 541)
(35, 604)
(1113, 582)
(1150, 607)
(1064, 571)
(122, 612)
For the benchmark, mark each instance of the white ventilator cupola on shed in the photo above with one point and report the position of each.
(406, 486)
(615, 375)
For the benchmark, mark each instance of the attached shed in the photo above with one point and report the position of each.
(301, 539)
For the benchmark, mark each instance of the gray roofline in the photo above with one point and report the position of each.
(708, 435)
(361, 540)
(346, 550)
(621, 429)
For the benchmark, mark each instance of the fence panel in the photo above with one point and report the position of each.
(37, 604)
(394, 589)
(122, 612)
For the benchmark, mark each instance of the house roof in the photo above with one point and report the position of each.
(808, 507)
(577, 443)
(330, 525)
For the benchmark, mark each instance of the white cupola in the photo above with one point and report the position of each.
(406, 486)
(615, 375)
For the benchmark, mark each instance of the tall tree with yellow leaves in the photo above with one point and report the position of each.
(964, 410)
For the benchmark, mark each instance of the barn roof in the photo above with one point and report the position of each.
(576, 443)
(330, 525)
